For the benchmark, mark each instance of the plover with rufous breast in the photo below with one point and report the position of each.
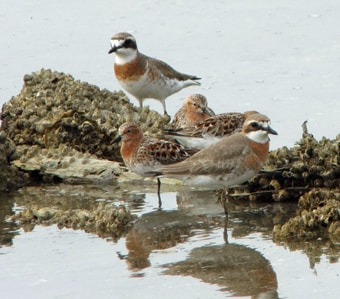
(145, 77)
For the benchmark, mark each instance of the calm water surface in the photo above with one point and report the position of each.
(185, 250)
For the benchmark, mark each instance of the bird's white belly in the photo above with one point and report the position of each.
(144, 169)
(149, 89)
(218, 181)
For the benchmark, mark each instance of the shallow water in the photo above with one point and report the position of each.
(187, 249)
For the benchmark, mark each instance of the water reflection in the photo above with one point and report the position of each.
(83, 207)
(237, 269)
(160, 230)
(7, 229)
(314, 250)
(240, 270)
(199, 202)
(244, 217)
(190, 225)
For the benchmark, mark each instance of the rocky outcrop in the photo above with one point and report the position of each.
(63, 128)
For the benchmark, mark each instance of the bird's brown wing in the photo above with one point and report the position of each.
(168, 71)
(219, 125)
(163, 151)
(220, 157)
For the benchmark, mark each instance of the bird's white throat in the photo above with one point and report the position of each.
(125, 55)
(259, 136)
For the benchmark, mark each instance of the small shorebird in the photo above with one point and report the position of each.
(145, 77)
(230, 161)
(195, 109)
(210, 130)
(142, 154)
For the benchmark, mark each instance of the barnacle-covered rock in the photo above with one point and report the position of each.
(310, 164)
(64, 128)
(54, 109)
(318, 215)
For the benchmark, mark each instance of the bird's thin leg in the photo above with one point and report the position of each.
(219, 195)
(222, 199)
(224, 202)
(159, 193)
(164, 109)
(225, 231)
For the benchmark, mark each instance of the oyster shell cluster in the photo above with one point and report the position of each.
(310, 164)
(58, 124)
(54, 109)
(318, 214)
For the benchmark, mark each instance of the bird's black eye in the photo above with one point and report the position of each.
(254, 125)
(129, 43)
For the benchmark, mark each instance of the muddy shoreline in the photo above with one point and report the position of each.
(59, 130)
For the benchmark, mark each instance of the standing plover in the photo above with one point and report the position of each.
(145, 77)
